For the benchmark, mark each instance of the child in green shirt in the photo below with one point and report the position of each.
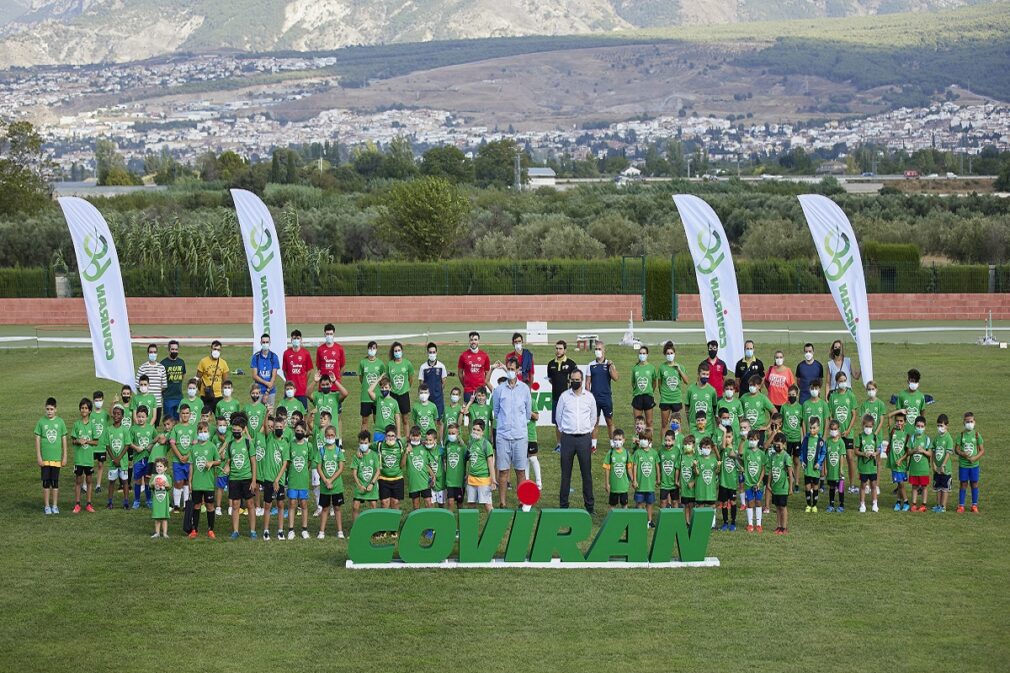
(969, 448)
(616, 466)
(792, 428)
(835, 455)
(455, 466)
(645, 475)
(920, 450)
(943, 450)
(160, 483)
(203, 459)
(781, 475)
(896, 447)
(685, 475)
(424, 413)
(415, 464)
(669, 458)
(867, 461)
(365, 470)
(331, 485)
(116, 442)
(82, 436)
(436, 468)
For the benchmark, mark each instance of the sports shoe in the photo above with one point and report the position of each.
(234, 535)
(280, 534)
(778, 531)
(724, 527)
(291, 535)
(750, 528)
(77, 509)
(942, 510)
(760, 529)
(229, 510)
(259, 511)
(862, 508)
(897, 507)
(273, 511)
(192, 534)
(807, 510)
(652, 524)
(960, 509)
(56, 509)
(126, 504)
(814, 509)
(252, 535)
(935, 508)
(108, 505)
(165, 535)
(922, 508)
(875, 508)
(321, 536)
(853, 489)
(905, 507)
(839, 509)
(217, 511)
(243, 511)
(319, 510)
(429, 534)
(155, 536)
(211, 535)
(305, 534)
(266, 535)
(557, 448)
(732, 527)
(766, 511)
(48, 510)
(785, 531)
(829, 509)
(340, 535)
(974, 509)
(89, 508)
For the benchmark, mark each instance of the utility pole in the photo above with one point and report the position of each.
(689, 168)
(518, 172)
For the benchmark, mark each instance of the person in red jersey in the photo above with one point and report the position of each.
(296, 365)
(330, 358)
(473, 368)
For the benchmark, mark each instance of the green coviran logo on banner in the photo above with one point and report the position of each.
(712, 257)
(835, 270)
(262, 241)
(547, 538)
(97, 249)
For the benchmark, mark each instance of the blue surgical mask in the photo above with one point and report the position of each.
(151, 357)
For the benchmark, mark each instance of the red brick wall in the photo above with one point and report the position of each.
(775, 307)
(210, 310)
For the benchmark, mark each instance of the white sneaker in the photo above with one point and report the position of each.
(84, 488)
(540, 484)
(48, 510)
(229, 510)
(56, 510)
(332, 513)
(862, 507)
(291, 535)
(321, 535)
(340, 535)
(217, 511)
(155, 536)
(319, 510)
(259, 511)
(866, 489)
(878, 490)
(305, 534)
(875, 507)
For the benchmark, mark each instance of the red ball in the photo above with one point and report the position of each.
(528, 492)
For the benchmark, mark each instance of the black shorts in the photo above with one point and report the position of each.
(532, 448)
(331, 499)
(726, 494)
(200, 497)
(675, 407)
(618, 499)
(643, 402)
(367, 409)
(793, 448)
(403, 399)
(100, 456)
(391, 489)
(269, 494)
(454, 493)
(863, 478)
(832, 484)
(941, 482)
(811, 480)
(50, 476)
(780, 500)
(687, 500)
(704, 503)
(671, 493)
(848, 443)
(240, 489)
(423, 493)
(82, 470)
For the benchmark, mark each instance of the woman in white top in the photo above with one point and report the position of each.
(838, 362)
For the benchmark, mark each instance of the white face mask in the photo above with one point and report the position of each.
(728, 394)
(98, 404)
(215, 354)
(476, 436)
(833, 433)
(289, 393)
(779, 361)
(752, 443)
(744, 431)
(752, 389)
(143, 389)
(329, 342)
(202, 436)
(726, 422)
(872, 394)
(363, 447)
(295, 343)
(191, 392)
(432, 357)
(454, 398)
(670, 357)
(706, 451)
(598, 353)
(511, 375)
(152, 357)
(451, 438)
(226, 391)
(371, 352)
(331, 440)
(644, 443)
(265, 347)
(913, 385)
(969, 426)
(843, 385)
(815, 392)
(614, 443)
(518, 347)
(642, 357)
(748, 353)
(423, 397)
(942, 429)
(429, 446)
(415, 442)
(867, 431)
(397, 355)
(808, 356)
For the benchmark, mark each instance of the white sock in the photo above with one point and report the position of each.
(315, 492)
(594, 443)
(743, 499)
(176, 494)
(185, 493)
(750, 516)
(535, 468)
(757, 513)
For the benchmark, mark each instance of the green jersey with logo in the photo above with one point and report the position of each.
(201, 455)
(754, 463)
(184, 437)
(195, 405)
(757, 408)
(452, 412)
(735, 409)
(943, 451)
(145, 400)
(228, 407)
(269, 462)
(646, 462)
(239, 454)
(326, 402)
(386, 409)
(455, 464)
(301, 457)
(669, 383)
(369, 371)
(810, 467)
(81, 431)
(970, 442)
(291, 405)
(365, 465)
(617, 470)
(481, 411)
(399, 374)
(896, 447)
(729, 470)
(128, 413)
(700, 398)
(145, 443)
(117, 443)
(434, 457)
(815, 409)
(912, 403)
(834, 458)
(389, 456)
(255, 413)
(101, 421)
(778, 471)
(668, 460)
(874, 408)
(843, 408)
(417, 469)
(480, 451)
(918, 463)
(424, 415)
(329, 463)
(792, 421)
(864, 443)
(643, 376)
(706, 483)
(687, 485)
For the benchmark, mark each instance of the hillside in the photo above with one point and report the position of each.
(36, 32)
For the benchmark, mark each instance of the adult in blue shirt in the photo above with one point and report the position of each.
(264, 365)
(600, 373)
(808, 371)
(433, 373)
(512, 405)
(175, 374)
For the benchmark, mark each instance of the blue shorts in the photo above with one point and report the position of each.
(967, 474)
(172, 409)
(298, 494)
(140, 469)
(899, 477)
(647, 497)
(605, 406)
(221, 481)
(180, 471)
(755, 494)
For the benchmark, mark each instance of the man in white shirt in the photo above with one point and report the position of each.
(576, 416)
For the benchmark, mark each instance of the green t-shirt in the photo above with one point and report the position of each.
(918, 464)
(792, 421)
(399, 374)
(646, 462)
(617, 470)
(455, 464)
(201, 455)
(843, 407)
(386, 409)
(101, 420)
(143, 438)
(117, 443)
(301, 457)
(969, 443)
(291, 405)
(128, 413)
(754, 461)
(329, 463)
(228, 407)
(417, 469)
(864, 443)
(669, 383)
(913, 403)
(364, 466)
(480, 451)
(757, 409)
(668, 461)
(145, 400)
(51, 434)
(369, 371)
(270, 457)
(424, 415)
(711, 430)
(834, 458)
(874, 408)
(815, 409)
(735, 409)
(943, 451)
(195, 406)
(531, 431)
(184, 437)
(83, 455)
(700, 398)
(810, 467)
(326, 402)
(390, 460)
(452, 412)
(481, 411)
(896, 446)
(707, 483)
(729, 470)
(687, 480)
(434, 456)
(239, 455)
(643, 377)
(778, 469)
(255, 413)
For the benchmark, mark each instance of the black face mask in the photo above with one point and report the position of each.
(792, 399)
(299, 436)
(126, 398)
(173, 355)
(237, 434)
(324, 389)
(255, 400)
(713, 353)
(836, 352)
(278, 432)
(576, 385)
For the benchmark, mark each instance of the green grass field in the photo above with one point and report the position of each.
(914, 592)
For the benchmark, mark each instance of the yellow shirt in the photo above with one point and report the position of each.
(211, 374)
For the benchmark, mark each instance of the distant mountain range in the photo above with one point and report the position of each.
(44, 32)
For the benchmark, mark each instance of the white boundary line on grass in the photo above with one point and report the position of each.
(556, 564)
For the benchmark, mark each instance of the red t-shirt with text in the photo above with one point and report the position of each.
(330, 360)
(473, 367)
(297, 365)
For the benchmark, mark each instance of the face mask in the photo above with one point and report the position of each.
(644, 443)
(706, 451)
(867, 431)
(712, 353)
(748, 353)
(143, 389)
(792, 399)
(363, 448)
(752, 443)
(226, 391)
(614, 443)
(913, 385)
(726, 422)
(295, 343)
(215, 354)
(278, 432)
(814, 392)
(151, 357)
(842, 385)
(126, 398)
(289, 393)
(778, 362)
(423, 397)
(237, 434)
(518, 347)
(397, 355)
(919, 430)
(98, 404)
(451, 438)
(265, 347)
(576, 385)
(221, 429)
(454, 398)
(476, 436)
(385, 393)
(371, 352)
(255, 399)
(728, 394)
(299, 435)
(598, 353)
(324, 389)
(833, 433)
(703, 380)
(415, 442)
(808, 356)
(429, 446)
(202, 436)
(474, 347)
(969, 426)
(432, 357)
(329, 339)
(642, 357)
(942, 429)
(191, 392)
(752, 389)
(173, 354)
(675, 426)
(872, 394)
(670, 357)
(511, 375)
(743, 433)
(331, 440)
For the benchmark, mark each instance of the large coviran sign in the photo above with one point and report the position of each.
(549, 538)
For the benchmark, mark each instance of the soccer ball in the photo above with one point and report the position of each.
(160, 481)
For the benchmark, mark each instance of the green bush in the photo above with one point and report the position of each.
(874, 251)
